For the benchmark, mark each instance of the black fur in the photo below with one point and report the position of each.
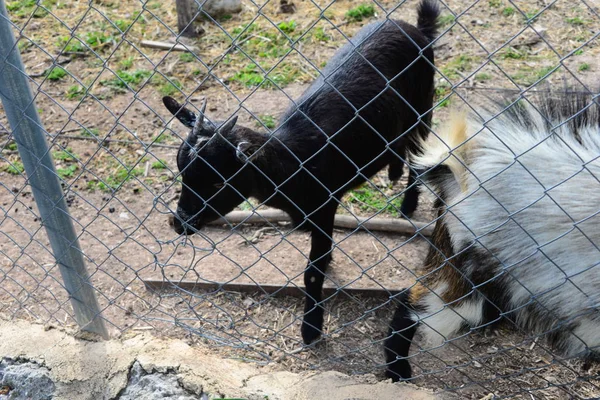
(400, 335)
(350, 123)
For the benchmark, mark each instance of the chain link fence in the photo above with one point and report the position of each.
(98, 71)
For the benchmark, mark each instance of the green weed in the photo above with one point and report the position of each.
(369, 199)
(483, 77)
(126, 63)
(75, 92)
(267, 120)
(91, 132)
(446, 20)
(64, 155)
(126, 79)
(15, 168)
(56, 74)
(160, 164)
(187, 57)
(70, 45)
(508, 11)
(320, 35)
(287, 27)
(360, 12)
(575, 21)
(495, 3)
(513, 54)
(583, 67)
(67, 172)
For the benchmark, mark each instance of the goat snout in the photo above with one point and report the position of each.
(177, 224)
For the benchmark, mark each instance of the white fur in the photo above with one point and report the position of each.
(441, 321)
(531, 198)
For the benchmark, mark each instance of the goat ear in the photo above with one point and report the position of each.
(184, 115)
(243, 151)
(228, 126)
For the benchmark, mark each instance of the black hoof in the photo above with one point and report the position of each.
(310, 332)
(399, 370)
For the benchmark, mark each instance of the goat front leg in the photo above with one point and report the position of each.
(320, 256)
(397, 345)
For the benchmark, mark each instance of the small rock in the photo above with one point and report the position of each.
(26, 380)
(287, 7)
(111, 210)
(217, 8)
(124, 215)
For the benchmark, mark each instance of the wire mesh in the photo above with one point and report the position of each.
(98, 89)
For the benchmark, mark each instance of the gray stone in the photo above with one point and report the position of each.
(26, 380)
(154, 386)
(217, 8)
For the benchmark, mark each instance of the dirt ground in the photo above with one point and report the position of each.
(120, 189)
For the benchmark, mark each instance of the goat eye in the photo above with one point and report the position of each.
(219, 185)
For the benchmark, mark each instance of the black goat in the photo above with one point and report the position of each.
(517, 234)
(371, 105)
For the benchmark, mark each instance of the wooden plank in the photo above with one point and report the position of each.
(395, 225)
(274, 290)
(165, 46)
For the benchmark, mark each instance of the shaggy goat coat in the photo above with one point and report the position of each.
(518, 232)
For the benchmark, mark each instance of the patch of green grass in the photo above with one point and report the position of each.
(125, 79)
(56, 74)
(167, 88)
(64, 155)
(98, 39)
(583, 67)
(360, 12)
(287, 27)
(320, 35)
(575, 21)
(369, 199)
(160, 164)
(187, 57)
(15, 168)
(116, 179)
(25, 8)
(495, 3)
(578, 52)
(75, 92)
(12, 146)
(530, 15)
(446, 20)
(67, 172)
(250, 75)
(482, 76)
(161, 138)
(122, 24)
(91, 132)
(513, 54)
(508, 11)
(126, 63)
(267, 120)
(455, 65)
(543, 72)
(70, 45)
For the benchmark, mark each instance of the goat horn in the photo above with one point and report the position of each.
(203, 107)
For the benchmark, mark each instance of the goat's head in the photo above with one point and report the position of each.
(211, 162)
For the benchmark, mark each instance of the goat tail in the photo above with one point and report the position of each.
(444, 155)
(427, 20)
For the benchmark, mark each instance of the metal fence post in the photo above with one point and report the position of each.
(29, 135)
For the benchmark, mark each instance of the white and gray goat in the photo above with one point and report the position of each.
(518, 231)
